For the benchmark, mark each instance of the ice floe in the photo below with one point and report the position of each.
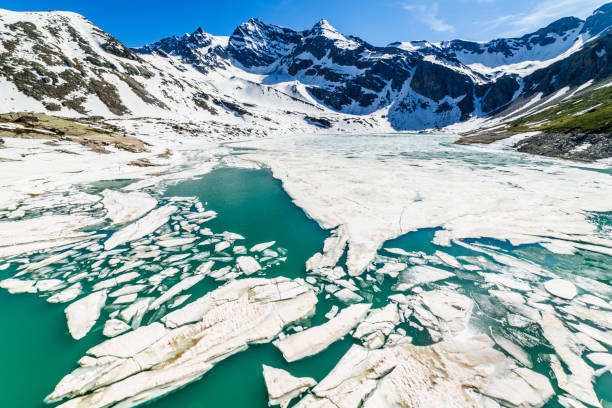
(248, 265)
(175, 290)
(164, 336)
(561, 288)
(333, 248)
(377, 326)
(154, 360)
(425, 181)
(141, 228)
(579, 382)
(318, 338)
(421, 274)
(441, 375)
(66, 295)
(262, 246)
(283, 387)
(126, 207)
(391, 269)
(115, 327)
(40, 233)
(83, 313)
(175, 242)
(397, 251)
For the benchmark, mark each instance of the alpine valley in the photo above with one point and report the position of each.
(302, 219)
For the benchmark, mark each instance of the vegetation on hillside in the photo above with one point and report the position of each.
(590, 112)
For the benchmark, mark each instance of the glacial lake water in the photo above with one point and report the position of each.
(36, 350)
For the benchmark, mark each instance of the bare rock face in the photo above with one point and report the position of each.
(154, 360)
(457, 373)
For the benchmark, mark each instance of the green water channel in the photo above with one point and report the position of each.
(36, 350)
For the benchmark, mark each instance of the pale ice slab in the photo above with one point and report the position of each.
(421, 274)
(114, 327)
(262, 246)
(601, 359)
(448, 259)
(316, 339)
(49, 260)
(283, 387)
(222, 246)
(580, 382)
(47, 231)
(168, 243)
(333, 248)
(18, 285)
(440, 375)
(247, 264)
(153, 360)
(397, 251)
(141, 228)
(602, 318)
(391, 269)
(175, 290)
(513, 349)
(83, 314)
(126, 207)
(378, 325)
(426, 182)
(345, 295)
(67, 295)
(561, 288)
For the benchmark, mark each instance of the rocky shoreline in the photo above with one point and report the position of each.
(571, 146)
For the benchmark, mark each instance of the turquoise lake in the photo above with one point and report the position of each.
(37, 351)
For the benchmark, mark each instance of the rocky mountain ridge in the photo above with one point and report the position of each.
(275, 78)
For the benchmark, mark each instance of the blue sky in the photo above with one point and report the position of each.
(380, 22)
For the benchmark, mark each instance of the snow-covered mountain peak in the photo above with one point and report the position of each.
(257, 46)
(413, 46)
(325, 30)
(323, 27)
(200, 49)
(599, 21)
(523, 55)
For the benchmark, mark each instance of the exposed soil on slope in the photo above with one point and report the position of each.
(91, 133)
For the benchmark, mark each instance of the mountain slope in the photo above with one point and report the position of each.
(61, 62)
(269, 78)
(577, 126)
(565, 111)
(525, 54)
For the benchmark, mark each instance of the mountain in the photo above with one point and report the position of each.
(525, 54)
(257, 46)
(269, 78)
(200, 50)
(565, 110)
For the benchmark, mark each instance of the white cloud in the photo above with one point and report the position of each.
(429, 16)
(544, 13)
